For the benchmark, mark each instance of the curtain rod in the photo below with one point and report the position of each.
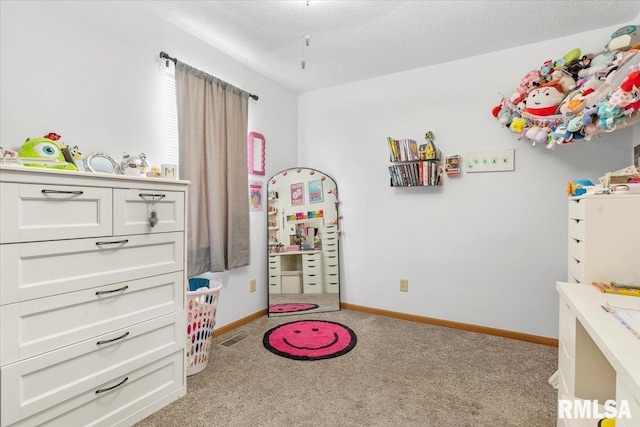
(167, 58)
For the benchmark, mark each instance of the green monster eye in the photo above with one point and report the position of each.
(47, 149)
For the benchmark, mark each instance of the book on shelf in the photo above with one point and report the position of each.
(608, 288)
(402, 150)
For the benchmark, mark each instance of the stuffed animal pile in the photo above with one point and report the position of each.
(577, 96)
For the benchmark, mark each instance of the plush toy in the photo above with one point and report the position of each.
(546, 70)
(578, 100)
(607, 116)
(505, 116)
(574, 67)
(578, 187)
(572, 55)
(544, 100)
(46, 149)
(530, 80)
(133, 165)
(627, 37)
(575, 126)
(532, 132)
(599, 63)
(631, 83)
(564, 79)
(517, 124)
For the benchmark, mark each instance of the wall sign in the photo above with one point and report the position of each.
(490, 161)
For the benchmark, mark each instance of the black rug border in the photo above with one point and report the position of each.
(296, 311)
(347, 349)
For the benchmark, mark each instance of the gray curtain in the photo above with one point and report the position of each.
(212, 122)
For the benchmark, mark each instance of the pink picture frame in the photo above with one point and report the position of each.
(255, 153)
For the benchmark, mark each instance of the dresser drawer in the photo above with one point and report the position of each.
(576, 269)
(331, 287)
(624, 392)
(331, 259)
(576, 208)
(576, 249)
(159, 383)
(571, 279)
(312, 283)
(311, 257)
(47, 380)
(567, 330)
(34, 327)
(35, 270)
(275, 284)
(35, 212)
(132, 210)
(330, 245)
(576, 229)
(567, 369)
(274, 261)
(313, 268)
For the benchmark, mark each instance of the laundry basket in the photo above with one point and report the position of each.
(201, 318)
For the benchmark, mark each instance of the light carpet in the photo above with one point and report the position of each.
(399, 374)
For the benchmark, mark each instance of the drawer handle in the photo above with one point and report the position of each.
(102, 390)
(112, 340)
(112, 291)
(117, 242)
(153, 196)
(61, 192)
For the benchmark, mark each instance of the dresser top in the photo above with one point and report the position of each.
(13, 173)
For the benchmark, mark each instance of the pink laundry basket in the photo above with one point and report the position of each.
(201, 318)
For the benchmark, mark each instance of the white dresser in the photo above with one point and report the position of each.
(604, 238)
(92, 297)
(598, 357)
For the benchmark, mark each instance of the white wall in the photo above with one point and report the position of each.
(485, 248)
(90, 72)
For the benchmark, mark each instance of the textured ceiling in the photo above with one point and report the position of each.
(355, 40)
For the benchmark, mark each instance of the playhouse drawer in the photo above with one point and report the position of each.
(102, 402)
(132, 210)
(35, 327)
(36, 270)
(47, 380)
(38, 212)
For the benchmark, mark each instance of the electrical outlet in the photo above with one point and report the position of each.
(404, 285)
(252, 285)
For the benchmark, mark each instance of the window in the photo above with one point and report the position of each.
(171, 150)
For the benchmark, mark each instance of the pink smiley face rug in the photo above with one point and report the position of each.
(310, 340)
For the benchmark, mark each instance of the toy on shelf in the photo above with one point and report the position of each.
(578, 187)
(452, 164)
(44, 152)
(133, 165)
(428, 151)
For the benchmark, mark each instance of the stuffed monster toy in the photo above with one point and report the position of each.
(44, 148)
